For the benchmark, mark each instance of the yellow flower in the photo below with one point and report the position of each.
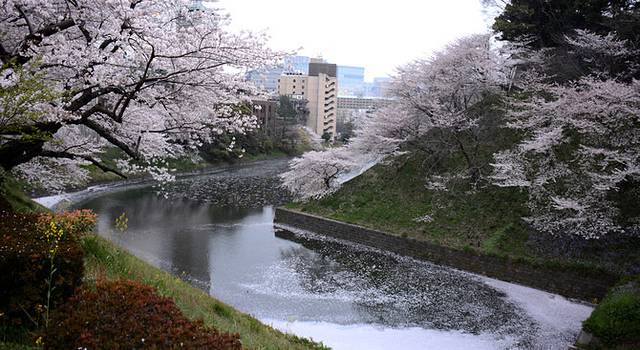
(39, 341)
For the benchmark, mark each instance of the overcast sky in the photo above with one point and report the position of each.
(378, 35)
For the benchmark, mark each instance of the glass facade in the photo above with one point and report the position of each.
(351, 81)
(296, 64)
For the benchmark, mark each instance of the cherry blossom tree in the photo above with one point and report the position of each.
(152, 78)
(316, 174)
(581, 145)
(449, 98)
(379, 135)
(438, 106)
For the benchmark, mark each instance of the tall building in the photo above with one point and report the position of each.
(320, 88)
(268, 79)
(351, 81)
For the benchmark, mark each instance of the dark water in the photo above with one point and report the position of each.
(217, 232)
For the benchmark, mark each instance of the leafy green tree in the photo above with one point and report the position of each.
(24, 98)
(545, 22)
(286, 109)
(550, 25)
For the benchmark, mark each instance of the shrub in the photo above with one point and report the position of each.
(76, 224)
(25, 264)
(616, 321)
(128, 315)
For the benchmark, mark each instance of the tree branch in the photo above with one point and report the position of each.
(26, 19)
(67, 155)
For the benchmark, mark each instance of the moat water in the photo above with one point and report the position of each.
(216, 231)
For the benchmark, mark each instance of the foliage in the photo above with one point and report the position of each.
(286, 109)
(127, 314)
(616, 320)
(75, 223)
(23, 99)
(153, 78)
(26, 255)
(548, 27)
(105, 260)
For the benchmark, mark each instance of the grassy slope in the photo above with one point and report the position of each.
(390, 197)
(105, 260)
(11, 194)
(616, 320)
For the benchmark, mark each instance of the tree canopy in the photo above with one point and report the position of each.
(544, 23)
(153, 78)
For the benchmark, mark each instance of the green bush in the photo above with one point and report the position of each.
(129, 315)
(25, 266)
(616, 321)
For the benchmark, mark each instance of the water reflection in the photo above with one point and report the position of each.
(388, 289)
(234, 253)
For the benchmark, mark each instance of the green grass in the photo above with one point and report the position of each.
(616, 320)
(105, 260)
(391, 197)
(275, 154)
(11, 193)
(15, 346)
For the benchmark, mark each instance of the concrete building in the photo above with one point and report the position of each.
(320, 88)
(367, 103)
(348, 107)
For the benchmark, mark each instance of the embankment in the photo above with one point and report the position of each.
(587, 285)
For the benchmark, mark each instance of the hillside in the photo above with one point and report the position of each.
(392, 197)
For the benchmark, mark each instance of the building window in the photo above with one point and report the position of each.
(294, 80)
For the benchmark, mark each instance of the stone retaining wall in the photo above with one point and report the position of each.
(572, 284)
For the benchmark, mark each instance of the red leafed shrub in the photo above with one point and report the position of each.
(26, 248)
(128, 315)
(75, 223)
